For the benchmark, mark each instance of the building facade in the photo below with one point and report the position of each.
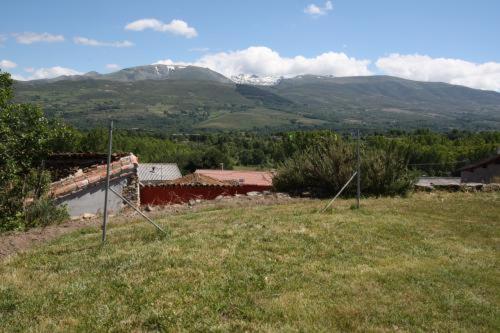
(486, 171)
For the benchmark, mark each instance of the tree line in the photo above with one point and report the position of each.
(429, 153)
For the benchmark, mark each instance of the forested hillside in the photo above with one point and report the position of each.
(193, 99)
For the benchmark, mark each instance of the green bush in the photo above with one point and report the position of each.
(43, 212)
(323, 169)
(26, 205)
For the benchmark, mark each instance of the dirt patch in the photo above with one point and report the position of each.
(14, 242)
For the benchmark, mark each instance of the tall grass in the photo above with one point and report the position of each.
(43, 212)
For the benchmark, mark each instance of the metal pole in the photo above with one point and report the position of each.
(137, 210)
(335, 197)
(110, 148)
(358, 172)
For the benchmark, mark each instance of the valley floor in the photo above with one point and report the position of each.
(429, 262)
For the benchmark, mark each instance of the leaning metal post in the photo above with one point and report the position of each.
(335, 197)
(138, 210)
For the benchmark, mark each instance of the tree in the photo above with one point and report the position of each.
(25, 139)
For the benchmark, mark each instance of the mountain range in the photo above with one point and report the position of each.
(190, 98)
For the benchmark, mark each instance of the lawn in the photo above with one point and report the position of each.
(429, 262)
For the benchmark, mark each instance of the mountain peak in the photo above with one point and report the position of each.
(165, 72)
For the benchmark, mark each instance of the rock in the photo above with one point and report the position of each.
(493, 187)
(266, 192)
(191, 202)
(253, 194)
(197, 200)
(88, 216)
(149, 208)
(219, 197)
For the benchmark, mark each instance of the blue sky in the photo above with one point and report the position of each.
(450, 41)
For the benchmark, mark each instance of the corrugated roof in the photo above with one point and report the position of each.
(157, 172)
(259, 178)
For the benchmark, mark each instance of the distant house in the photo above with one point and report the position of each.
(153, 173)
(205, 185)
(486, 171)
(262, 179)
(190, 187)
(82, 181)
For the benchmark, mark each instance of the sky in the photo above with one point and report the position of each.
(449, 41)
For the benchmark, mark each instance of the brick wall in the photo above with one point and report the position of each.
(163, 195)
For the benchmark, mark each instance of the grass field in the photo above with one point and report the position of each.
(429, 262)
(257, 118)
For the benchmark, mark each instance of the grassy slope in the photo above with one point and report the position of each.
(256, 118)
(159, 105)
(426, 263)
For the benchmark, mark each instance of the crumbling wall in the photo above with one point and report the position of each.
(91, 199)
(131, 189)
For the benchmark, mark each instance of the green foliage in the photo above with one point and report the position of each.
(429, 153)
(440, 154)
(324, 168)
(43, 212)
(212, 158)
(5, 88)
(26, 137)
(385, 171)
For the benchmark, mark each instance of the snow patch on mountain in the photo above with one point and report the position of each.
(256, 80)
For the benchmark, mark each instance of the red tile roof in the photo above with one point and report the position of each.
(81, 179)
(194, 180)
(259, 178)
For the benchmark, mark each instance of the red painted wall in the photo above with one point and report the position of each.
(163, 195)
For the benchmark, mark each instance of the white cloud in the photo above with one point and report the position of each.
(263, 61)
(316, 10)
(454, 71)
(33, 37)
(93, 42)
(46, 73)
(176, 27)
(113, 66)
(7, 64)
(3, 38)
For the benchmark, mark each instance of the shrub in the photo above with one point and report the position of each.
(43, 212)
(323, 169)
